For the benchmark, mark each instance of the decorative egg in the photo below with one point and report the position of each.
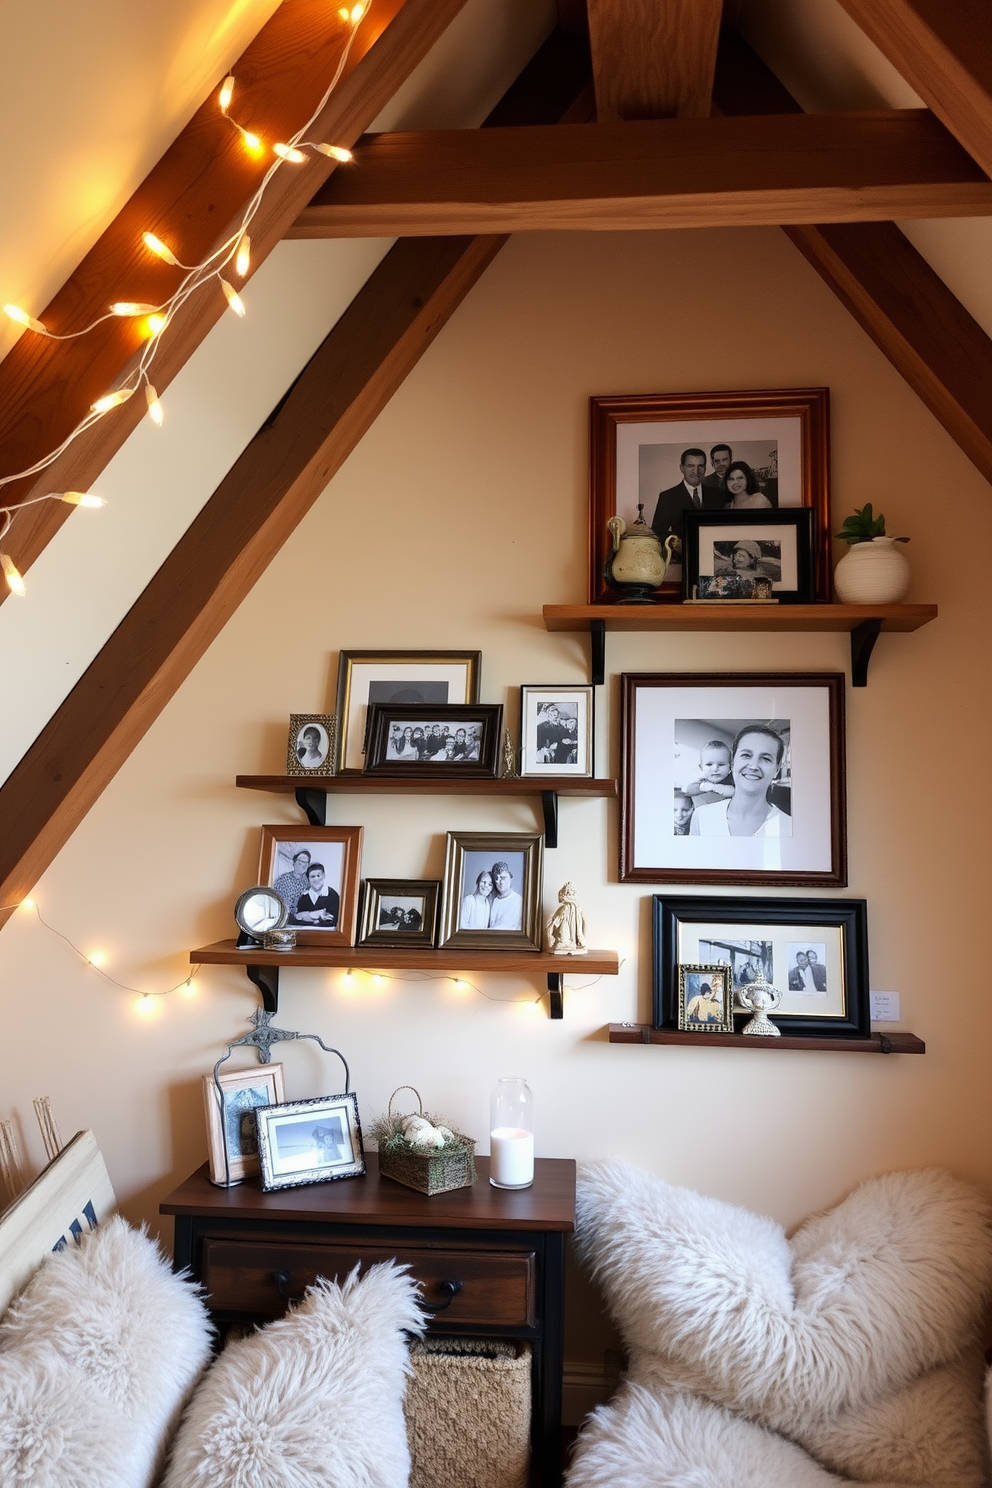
(446, 1134)
(414, 1124)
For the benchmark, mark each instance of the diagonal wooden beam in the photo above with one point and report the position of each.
(672, 173)
(283, 470)
(889, 288)
(193, 199)
(944, 48)
(653, 59)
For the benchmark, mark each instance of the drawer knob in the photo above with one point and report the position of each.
(449, 1291)
(282, 1279)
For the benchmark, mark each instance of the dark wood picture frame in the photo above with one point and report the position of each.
(487, 718)
(822, 815)
(849, 917)
(374, 890)
(800, 518)
(810, 406)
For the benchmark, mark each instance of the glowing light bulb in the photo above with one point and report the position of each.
(111, 400)
(23, 318)
(159, 248)
(243, 258)
(132, 307)
(28, 904)
(156, 324)
(288, 152)
(226, 93)
(154, 406)
(233, 298)
(357, 11)
(252, 141)
(147, 1006)
(377, 979)
(97, 958)
(79, 498)
(190, 988)
(336, 152)
(10, 572)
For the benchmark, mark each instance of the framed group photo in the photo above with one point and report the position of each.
(492, 891)
(556, 730)
(309, 1141)
(315, 870)
(733, 778)
(230, 1099)
(749, 555)
(399, 912)
(430, 741)
(729, 452)
(813, 951)
(397, 678)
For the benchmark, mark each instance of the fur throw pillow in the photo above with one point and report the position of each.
(819, 1338)
(313, 1400)
(97, 1356)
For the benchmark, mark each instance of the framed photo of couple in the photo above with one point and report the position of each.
(727, 452)
(492, 891)
(733, 778)
(315, 870)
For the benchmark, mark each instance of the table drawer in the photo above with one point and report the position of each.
(465, 1287)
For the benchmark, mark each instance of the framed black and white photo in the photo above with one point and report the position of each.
(749, 555)
(673, 453)
(309, 1141)
(230, 1101)
(733, 778)
(399, 912)
(311, 744)
(397, 677)
(706, 1000)
(556, 730)
(492, 891)
(779, 939)
(433, 741)
(316, 871)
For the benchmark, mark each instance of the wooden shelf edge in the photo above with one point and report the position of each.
(817, 617)
(226, 953)
(529, 785)
(877, 1043)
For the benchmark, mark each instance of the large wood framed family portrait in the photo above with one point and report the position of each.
(721, 451)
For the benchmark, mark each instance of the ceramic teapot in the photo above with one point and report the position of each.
(637, 563)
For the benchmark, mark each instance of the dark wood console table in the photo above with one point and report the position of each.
(491, 1261)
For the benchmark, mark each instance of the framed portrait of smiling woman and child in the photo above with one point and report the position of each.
(735, 779)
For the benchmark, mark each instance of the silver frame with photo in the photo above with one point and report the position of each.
(584, 697)
(461, 670)
(374, 890)
(228, 1166)
(721, 1025)
(327, 722)
(275, 1175)
(529, 937)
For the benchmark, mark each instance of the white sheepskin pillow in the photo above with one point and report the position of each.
(97, 1357)
(313, 1400)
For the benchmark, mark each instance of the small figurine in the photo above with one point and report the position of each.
(567, 926)
(761, 998)
(509, 756)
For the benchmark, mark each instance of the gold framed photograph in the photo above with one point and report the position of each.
(230, 1099)
(311, 747)
(396, 678)
(315, 870)
(492, 891)
(706, 999)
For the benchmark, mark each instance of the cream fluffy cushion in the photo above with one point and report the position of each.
(314, 1400)
(97, 1356)
(840, 1339)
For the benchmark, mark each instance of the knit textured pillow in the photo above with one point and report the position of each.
(313, 1400)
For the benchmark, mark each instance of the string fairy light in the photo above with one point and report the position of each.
(154, 319)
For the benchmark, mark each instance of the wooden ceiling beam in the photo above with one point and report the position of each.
(193, 199)
(944, 49)
(283, 470)
(673, 173)
(653, 59)
(889, 288)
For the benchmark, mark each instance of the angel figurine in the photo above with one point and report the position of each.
(567, 926)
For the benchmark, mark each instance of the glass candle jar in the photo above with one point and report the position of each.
(511, 1134)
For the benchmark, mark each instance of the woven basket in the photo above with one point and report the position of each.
(427, 1172)
(468, 1409)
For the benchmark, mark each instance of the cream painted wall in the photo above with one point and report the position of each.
(461, 512)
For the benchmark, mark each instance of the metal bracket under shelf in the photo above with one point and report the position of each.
(555, 987)
(597, 663)
(266, 979)
(863, 638)
(313, 804)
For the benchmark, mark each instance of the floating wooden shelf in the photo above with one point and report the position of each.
(263, 966)
(863, 622)
(876, 1043)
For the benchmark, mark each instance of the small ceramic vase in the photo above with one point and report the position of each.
(637, 563)
(872, 572)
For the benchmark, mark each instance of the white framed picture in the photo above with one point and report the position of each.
(556, 730)
(231, 1098)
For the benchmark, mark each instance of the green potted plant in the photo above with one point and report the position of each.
(873, 570)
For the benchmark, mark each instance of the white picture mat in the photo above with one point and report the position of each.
(457, 674)
(579, 700)
(794, 1004)
(808, 849)
(786, 537)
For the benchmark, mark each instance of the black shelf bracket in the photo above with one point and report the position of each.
(266, 979)
(313, 804)
(863, 638)
(597, 636)
(555, 980)
(549, 800)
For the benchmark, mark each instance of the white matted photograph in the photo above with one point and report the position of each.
(556, 730)
(310, 1141)
(395, 678)
(230, 1101)
(733, 778)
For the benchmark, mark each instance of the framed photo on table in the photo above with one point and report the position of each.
(397, 677)
(732, 555)
(316, 872)
(814, 951)
(492, 891)
(653, 449)
(557, 730)
(310, 1141)
(230, 1101)
(433, 741)
(733, 778)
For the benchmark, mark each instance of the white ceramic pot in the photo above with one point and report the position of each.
(873, 572)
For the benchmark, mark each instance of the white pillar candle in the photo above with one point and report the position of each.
(511, 1157)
